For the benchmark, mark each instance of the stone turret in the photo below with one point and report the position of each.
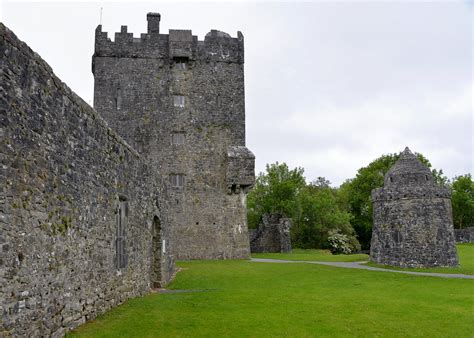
(413, 224)
(153, 23)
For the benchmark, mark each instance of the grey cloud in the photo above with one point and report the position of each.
(329, 86)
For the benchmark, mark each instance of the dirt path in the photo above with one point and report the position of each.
(359, 265)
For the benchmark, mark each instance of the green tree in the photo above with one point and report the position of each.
(275, 192)
(318, 216)
(355, 193)
(463, 201)
(312, 207)
(359, 191)
(343, 195)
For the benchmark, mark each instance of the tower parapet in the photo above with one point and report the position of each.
(217, 46)
(153, 23)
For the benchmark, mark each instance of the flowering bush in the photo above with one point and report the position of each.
(340, 243)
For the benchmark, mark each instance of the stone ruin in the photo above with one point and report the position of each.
(465, 235)
(413, 224)
(96, 203)
(272, 235)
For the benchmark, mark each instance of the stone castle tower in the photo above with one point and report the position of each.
(180, 103)
(413, 223)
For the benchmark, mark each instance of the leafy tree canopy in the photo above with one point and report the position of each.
(275, 192)
(312, 207)
(463, 201)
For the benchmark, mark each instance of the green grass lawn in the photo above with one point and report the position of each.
(312, 255)
(466, 262)
(248, 299)
(465, 253)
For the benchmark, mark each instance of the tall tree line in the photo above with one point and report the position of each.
(340, 219)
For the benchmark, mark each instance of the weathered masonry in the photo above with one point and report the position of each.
(272, 234)
(465, 235)
(81, 224)
(413, 223)
(180, 103)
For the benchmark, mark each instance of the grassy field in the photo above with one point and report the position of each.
(313, 255)
(465, 252)
(247, 299)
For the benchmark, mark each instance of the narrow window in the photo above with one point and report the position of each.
(157, 247)
(178, 100)
(218, 100)
(177, 138)
(426, 177)
(177, 180)
(121, 219)
(180, 63)
(118, 99)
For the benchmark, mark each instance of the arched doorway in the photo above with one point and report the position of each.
(156, 254)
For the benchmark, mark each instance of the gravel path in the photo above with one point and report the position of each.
(358, 265)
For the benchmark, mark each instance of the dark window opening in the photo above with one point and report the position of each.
(118, 102)
(177, 180)
(118, 99)
(180, 63)
(426, 177)
(235, 188)
(121, 219)
(218, 100)
(157, 249)
(397, 236)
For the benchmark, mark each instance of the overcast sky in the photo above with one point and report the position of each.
(330, 86)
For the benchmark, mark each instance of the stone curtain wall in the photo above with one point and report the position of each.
(65, 178)
(464, 235)
(413, 224)
(272, 235)
(153, 87)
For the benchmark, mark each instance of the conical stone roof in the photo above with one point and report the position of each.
(408, 170)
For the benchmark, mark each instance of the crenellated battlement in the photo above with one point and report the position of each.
(217, 46)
